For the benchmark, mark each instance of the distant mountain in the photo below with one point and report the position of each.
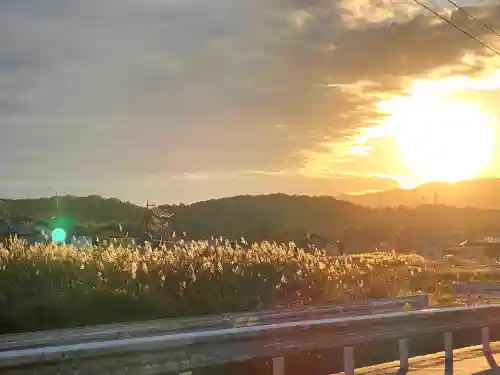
(283, 218)
(479, 193)
(275, 217)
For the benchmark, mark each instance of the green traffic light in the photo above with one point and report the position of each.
(58, 235)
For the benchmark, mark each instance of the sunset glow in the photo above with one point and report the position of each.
(440, 140)
(182, 101)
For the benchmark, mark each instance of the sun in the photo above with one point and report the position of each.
(440, 140)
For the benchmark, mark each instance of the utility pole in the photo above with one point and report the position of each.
(57, 204)
(147, 219)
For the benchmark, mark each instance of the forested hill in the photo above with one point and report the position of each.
(91, 209)
(278, 216)
(275, 217)
(282, 218)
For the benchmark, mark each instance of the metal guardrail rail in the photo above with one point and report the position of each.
(185, 351)
(120, 331)
(178, 345)
(476, 291)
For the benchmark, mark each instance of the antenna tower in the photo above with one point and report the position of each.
(157, 220)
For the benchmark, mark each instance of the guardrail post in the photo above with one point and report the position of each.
(349, 360)
(485, 339)
(404, 364)
(279, 366)
(448, 353)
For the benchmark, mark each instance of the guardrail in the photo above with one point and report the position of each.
(186, 351)
(210, 322)
(476, 291)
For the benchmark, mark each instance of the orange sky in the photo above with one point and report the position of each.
(439, 129)
(186, 100)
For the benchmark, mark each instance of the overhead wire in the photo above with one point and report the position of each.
(471, 16)
(495, 51)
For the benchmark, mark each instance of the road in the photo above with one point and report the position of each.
(467, 361)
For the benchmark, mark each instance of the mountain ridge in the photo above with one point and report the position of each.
(273, 217)
(481, 193)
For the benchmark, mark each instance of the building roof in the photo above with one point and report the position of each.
(18, 228)
(481, 242)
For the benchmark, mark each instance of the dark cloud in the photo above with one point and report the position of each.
(379, 53)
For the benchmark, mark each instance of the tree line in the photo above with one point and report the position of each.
(277, 217)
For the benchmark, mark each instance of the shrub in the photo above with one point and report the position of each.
(50, 286)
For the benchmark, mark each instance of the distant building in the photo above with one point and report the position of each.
(24, 230)
(486, 248)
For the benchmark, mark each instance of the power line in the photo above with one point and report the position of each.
(471, 16)
(496, 52)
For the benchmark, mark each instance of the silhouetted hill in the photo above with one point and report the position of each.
(282, 217)
(90, 209)
(275, 217)
(479, 193)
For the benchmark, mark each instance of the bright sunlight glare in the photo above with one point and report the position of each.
(440, 140)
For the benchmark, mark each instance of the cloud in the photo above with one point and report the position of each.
(360, 13)
(228, 174)
(372, 13)
(379, 63)
(343, 153)
(118, 89)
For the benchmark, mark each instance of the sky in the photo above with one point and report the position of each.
(187, 100)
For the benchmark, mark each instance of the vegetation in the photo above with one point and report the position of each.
(93, 208)
(277, 217)
(50, 286)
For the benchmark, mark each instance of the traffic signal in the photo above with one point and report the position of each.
(58, 235)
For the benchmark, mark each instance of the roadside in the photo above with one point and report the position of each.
(467, 361)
